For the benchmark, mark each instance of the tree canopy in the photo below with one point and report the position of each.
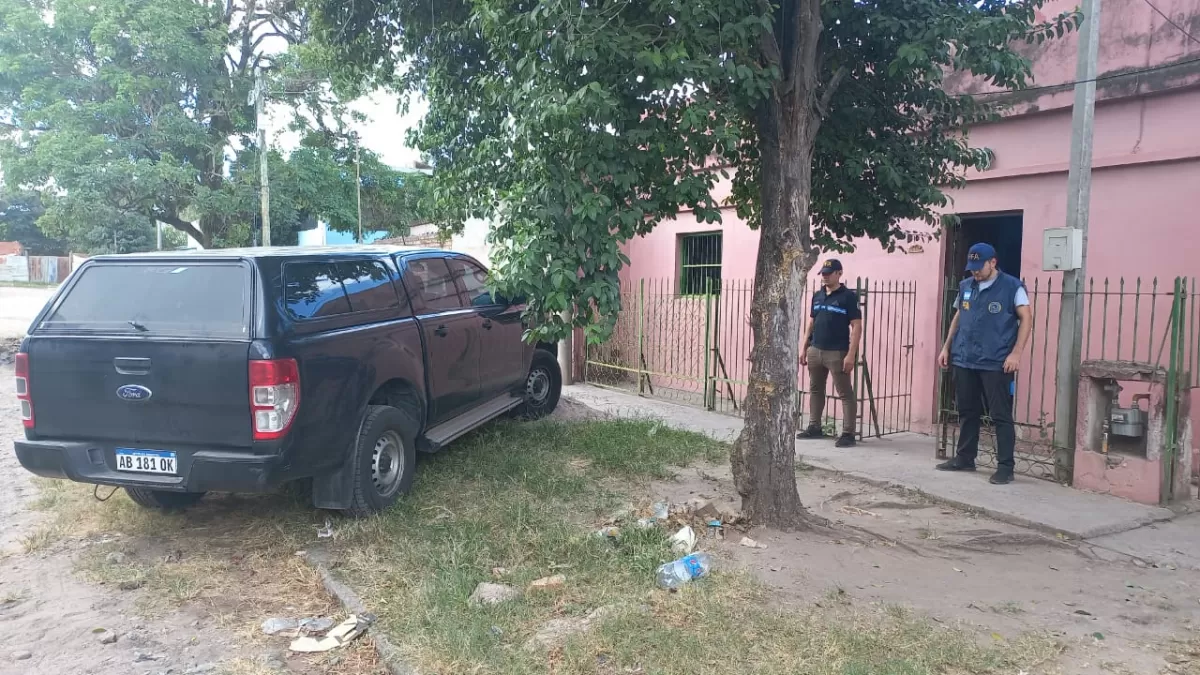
(126, 112)
(583, 123)
(19, 212)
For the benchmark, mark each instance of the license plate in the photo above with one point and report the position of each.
(147, 461)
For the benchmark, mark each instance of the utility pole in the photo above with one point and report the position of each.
(566, 355)
(358, 189)
(158, 231)
(258, 97)
(1079, 193)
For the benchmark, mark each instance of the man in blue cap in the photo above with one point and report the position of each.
(987, 335)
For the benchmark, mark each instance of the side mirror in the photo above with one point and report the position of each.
(509, 302)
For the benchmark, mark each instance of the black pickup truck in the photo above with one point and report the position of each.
(172, 375)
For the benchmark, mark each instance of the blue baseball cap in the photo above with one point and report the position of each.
(979, 254)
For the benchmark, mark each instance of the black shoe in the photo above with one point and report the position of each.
(1001, 477)
(811, 432)
(845, 441)
(955, 464)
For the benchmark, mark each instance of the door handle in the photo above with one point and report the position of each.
(441, 331)
(131, 366)
(487, 324)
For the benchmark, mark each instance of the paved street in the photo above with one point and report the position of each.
(18, 306)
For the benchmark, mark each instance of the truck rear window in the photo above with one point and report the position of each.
(200, 300)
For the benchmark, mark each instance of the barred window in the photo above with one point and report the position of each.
(700, 263)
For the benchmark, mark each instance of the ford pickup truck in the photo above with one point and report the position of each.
(175, 374)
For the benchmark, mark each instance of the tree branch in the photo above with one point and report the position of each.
(259, 40)
(182, 225)
(803, 57)
(830, 88)
(770, 48)
(245, 52)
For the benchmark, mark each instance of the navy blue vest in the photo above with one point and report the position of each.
(987, 323)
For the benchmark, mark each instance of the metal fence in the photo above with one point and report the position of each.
(36, 269)
(695, 349)
(1147, 321)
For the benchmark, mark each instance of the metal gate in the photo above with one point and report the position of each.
(1138, 320)
(695, 349)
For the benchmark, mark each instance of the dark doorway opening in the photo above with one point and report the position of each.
(1004, 231)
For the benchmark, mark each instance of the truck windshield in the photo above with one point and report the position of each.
(170, 299)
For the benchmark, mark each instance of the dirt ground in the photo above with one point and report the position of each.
(958, 567)
(50, 620)
(183, 594)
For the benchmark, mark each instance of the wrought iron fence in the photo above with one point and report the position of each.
(1124, 320)
(695, 349)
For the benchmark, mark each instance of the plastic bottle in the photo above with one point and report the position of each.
(677, 573)
(661, 511)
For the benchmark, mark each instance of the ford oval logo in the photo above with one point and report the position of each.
(133, 392)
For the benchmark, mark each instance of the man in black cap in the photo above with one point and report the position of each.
(831, 347)
(984, 345)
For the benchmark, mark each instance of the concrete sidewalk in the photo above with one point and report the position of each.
(906, 461)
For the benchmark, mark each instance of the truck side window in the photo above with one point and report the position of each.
(430, 279)
(312, 292)
(368, 284)
(472, 280)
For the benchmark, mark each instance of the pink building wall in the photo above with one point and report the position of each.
(1145, 207)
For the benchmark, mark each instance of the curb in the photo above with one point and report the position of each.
(388, 653)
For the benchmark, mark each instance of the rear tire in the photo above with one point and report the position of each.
(162, 499)
(543, 387)
(384, 460)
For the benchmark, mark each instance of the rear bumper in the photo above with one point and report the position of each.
(200, 470)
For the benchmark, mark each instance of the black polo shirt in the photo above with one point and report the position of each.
(831, 317)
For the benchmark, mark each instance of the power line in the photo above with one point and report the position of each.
(1099, 78)
(1169, 20)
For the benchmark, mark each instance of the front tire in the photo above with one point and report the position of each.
(384, 460)
(162, 499)
(543, 387)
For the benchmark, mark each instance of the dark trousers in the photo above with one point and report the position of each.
(973, 390)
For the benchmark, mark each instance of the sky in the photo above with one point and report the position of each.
(383, 133)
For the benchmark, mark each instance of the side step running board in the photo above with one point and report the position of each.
(437, 437)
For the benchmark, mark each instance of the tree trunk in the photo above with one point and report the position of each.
(764, 456)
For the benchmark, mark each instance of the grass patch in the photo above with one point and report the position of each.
(42, 538)
(27, 284)
(526, 498)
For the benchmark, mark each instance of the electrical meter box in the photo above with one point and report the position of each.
(1062, 249)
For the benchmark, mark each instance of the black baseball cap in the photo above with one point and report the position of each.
(831, 265)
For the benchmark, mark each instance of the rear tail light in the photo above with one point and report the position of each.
(23, 397)
(274, 397)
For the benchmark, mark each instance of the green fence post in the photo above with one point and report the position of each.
(708, 383)
(641, 335)
(1166, 488)
(862, 288)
